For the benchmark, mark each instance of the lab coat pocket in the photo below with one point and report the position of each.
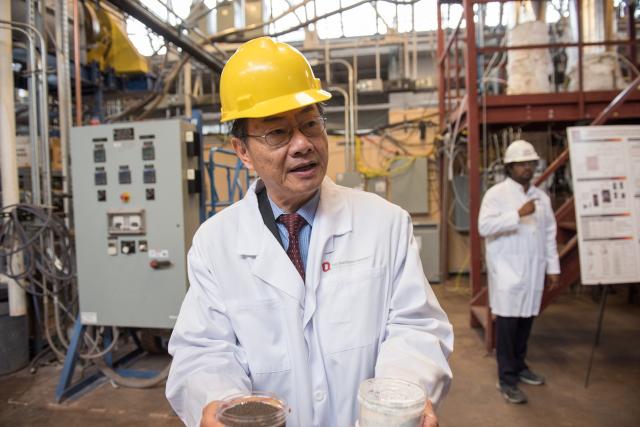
(260, 328)
(512, 272)
(352, 312)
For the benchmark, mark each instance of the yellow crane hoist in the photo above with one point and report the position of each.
(108, 43)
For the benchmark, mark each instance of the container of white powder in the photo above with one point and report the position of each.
(390, 402)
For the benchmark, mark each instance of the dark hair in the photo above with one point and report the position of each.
(507, 169)
(239, 126)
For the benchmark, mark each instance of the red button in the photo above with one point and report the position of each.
(125, 197)
(157, 264)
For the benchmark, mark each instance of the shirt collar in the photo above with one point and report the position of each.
(306, 211)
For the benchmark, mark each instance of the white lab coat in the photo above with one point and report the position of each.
(248, 322)
(518, 250)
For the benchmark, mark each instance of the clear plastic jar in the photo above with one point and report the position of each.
(253, 410)
(390, 402)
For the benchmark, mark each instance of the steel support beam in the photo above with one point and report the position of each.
(171, 34)
(473, 159)
(617, 102)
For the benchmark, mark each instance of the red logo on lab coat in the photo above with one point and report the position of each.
(326, 266)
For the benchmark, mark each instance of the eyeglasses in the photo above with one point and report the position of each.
(281, 136)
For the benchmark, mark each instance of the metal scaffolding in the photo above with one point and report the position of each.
(464, 108)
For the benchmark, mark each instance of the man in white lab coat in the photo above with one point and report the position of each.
(303, 288)
(519, 227)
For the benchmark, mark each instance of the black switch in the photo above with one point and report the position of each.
(99, 154)
(149, 174)
(102, 195)
(148, 151)
(128, 247)
(150, 193)
(100, 176)
(124, 175)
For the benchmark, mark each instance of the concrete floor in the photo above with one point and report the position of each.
(559, 348)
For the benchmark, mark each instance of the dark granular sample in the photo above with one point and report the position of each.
(251, 409)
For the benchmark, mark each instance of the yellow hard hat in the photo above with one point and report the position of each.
(265, 77)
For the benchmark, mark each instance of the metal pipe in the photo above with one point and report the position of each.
(505, 48)
(377, 60)
(186, 74)
(355, 64)
(33, 113)
(445, 50)
(33, 108)
(63, 80)
(42, 108)
(580, 60)
(193, 20)
(441, 78)
(76, 63)
(617, 102)
(352, 107)
(327, 58)
(9, 160)
(405, 56)
(226, 33)
(347, 131)
(631, 30)
(388, 40)
(415, 46)
(473, 157)
(43, 96)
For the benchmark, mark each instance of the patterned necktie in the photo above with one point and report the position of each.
(294, 222)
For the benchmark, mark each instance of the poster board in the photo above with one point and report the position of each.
(605, 169)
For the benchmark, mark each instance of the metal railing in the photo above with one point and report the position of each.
(454, 43)
(234, 174)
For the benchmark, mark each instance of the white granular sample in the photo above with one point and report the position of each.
(390, 402)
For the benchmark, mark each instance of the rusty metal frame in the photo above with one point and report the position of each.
(456, 102)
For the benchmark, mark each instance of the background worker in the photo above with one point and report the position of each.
(298, 289)
(519, 227)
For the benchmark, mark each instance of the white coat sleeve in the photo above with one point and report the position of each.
(494, 218)
(418, 338)
(551, 249)
(207, 364)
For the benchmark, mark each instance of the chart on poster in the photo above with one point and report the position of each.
(605, 169)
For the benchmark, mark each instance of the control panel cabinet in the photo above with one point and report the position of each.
(135, 213)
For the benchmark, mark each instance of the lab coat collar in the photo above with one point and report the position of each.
(272, 264)
(333, 216)
(250, 224)
(329, 213)
(519, 186)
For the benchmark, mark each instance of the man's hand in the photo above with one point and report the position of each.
(553, 280)
(430, 418)
(209, 415)
(528, 208)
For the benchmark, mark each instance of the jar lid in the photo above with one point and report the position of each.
(391, 393)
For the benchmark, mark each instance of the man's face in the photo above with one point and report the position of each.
(294, 170)
(522, 172)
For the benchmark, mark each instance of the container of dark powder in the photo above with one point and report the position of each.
(254, 410)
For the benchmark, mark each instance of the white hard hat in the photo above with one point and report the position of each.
(520, 151)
